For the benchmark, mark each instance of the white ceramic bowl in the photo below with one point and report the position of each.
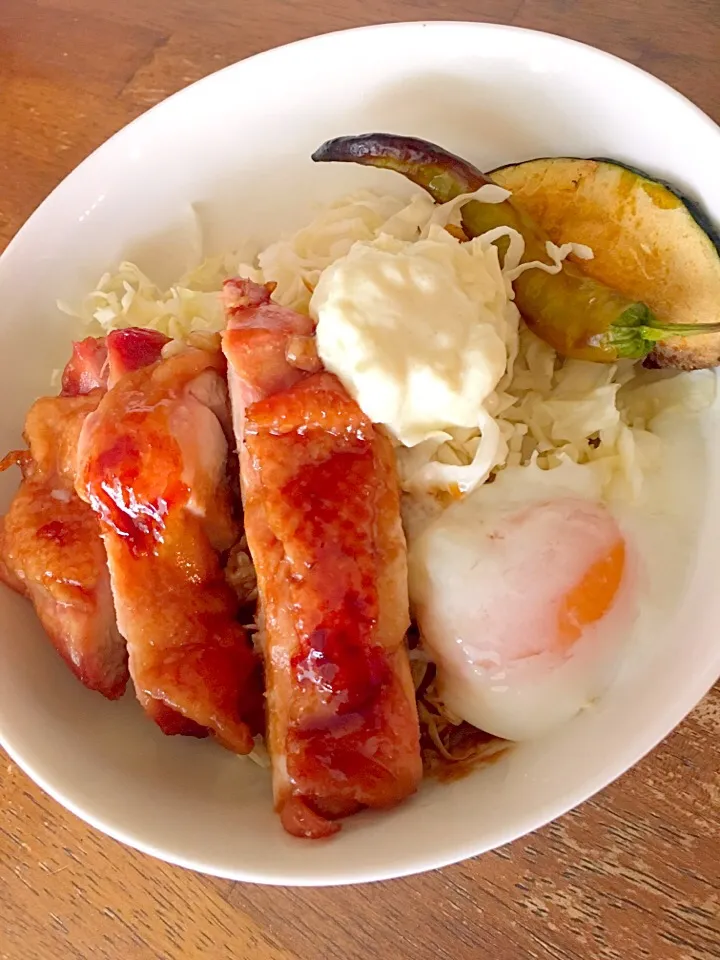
(237, 146)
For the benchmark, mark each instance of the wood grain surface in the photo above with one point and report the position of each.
(633, 873)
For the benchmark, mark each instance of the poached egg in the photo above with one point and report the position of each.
(523, 593)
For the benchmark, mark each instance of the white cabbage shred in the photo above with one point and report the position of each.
(544, 412)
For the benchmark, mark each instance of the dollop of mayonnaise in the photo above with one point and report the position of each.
(418, 332)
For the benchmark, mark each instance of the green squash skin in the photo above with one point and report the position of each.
(693, 207)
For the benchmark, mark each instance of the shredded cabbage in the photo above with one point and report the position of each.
(544, 410)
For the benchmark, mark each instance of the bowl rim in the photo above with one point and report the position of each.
(652, 734)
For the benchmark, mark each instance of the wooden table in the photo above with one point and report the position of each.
(633, 873)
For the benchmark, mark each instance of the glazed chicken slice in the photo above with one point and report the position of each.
(86, 370)
(97, 363)
(152, 464)
(322, 521)
(50, 546)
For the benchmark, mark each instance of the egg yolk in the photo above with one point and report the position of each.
(592, 596)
